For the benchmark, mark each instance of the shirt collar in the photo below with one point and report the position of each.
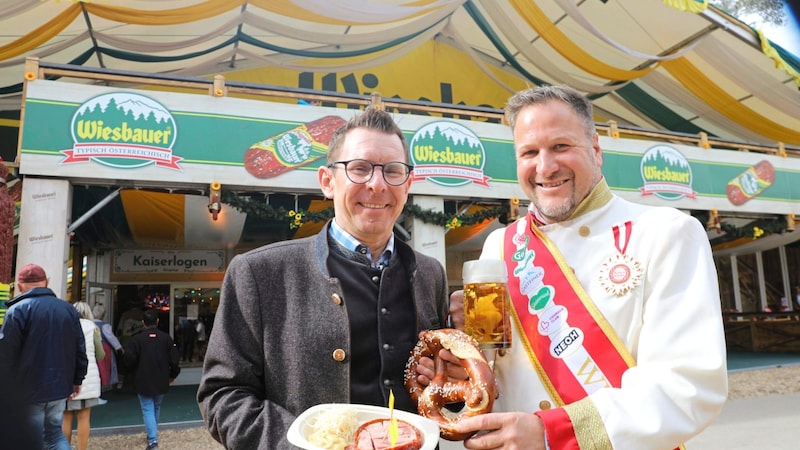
(347, 241)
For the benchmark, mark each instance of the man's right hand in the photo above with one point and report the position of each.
(426, 369)
(515, 430)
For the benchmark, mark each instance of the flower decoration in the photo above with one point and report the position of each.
(298, 219)
(757, 232)
(454, 223)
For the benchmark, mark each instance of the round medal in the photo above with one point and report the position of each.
(620, 274)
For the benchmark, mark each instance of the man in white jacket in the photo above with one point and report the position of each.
(618, 339)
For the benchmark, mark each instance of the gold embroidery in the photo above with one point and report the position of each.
(591, 374)
(588, 425)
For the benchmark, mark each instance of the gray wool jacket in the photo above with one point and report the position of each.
(281, 338)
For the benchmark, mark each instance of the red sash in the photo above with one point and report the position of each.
(572, 346)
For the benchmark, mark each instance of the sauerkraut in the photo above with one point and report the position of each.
(334, 428)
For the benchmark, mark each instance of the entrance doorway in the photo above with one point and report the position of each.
(193, 310)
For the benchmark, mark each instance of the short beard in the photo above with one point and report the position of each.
(558, 213)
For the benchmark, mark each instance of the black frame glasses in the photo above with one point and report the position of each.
(395, 173)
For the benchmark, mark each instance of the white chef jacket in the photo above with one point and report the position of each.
(671, 323)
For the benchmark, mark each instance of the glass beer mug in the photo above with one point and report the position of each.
(487, 314)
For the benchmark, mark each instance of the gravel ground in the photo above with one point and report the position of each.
(742, 384)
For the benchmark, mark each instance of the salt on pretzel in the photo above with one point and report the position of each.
(477, 392)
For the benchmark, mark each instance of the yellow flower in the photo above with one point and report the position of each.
(454, 223)
(757, 232)
(298, 219)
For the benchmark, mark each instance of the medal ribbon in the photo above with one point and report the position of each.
(573, 348)
(626, 238)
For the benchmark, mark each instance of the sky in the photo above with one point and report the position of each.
(788, 35)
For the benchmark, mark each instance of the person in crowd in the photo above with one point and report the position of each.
(112, 347)
(154, 359)
(328, 318)
(42, 346)
(200, 328)
(618, 339)
(15, 426)
(81, 405)
(797, 296)
(188, 339)
(129, 324)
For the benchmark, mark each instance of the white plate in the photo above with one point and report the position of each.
(299, 429)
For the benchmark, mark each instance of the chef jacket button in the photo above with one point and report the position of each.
(338, 355)
(544, 405)
(336, 299)
(376, 279)
(384, 311)
(583, 231)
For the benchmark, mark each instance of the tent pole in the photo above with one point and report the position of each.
(88, 214)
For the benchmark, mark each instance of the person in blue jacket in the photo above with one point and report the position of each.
(42, 345)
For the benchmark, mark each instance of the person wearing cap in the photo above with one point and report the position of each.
(42, 344)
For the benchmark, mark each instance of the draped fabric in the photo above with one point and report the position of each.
(165, 220)
(679, 65)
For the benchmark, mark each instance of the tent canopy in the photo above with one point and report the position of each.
(677, 65)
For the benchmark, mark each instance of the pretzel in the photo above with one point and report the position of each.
(477, 392)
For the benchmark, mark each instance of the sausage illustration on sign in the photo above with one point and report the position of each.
(291, 149)
(750, 183)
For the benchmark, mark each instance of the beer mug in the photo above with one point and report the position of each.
(487, 313)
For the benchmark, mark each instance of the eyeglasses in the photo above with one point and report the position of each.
(360, 171)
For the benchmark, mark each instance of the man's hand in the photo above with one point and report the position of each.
(514, 430)
(426, 369)
(457, 309)
(76, 389)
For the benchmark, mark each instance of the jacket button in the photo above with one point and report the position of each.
(387, 382)
(387, 347)
(338, 355)
(376, 279)
(336, 299)
(544, 405)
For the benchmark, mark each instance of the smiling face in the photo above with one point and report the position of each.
(558, 164)
(366, 211)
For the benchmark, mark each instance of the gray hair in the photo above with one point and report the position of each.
(84, 310)
(99, 311)
(581, 105)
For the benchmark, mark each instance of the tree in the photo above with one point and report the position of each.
(767, 11)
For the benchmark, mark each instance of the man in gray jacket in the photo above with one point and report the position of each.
(330, 318)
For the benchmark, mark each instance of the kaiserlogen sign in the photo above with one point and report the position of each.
(74, 131)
